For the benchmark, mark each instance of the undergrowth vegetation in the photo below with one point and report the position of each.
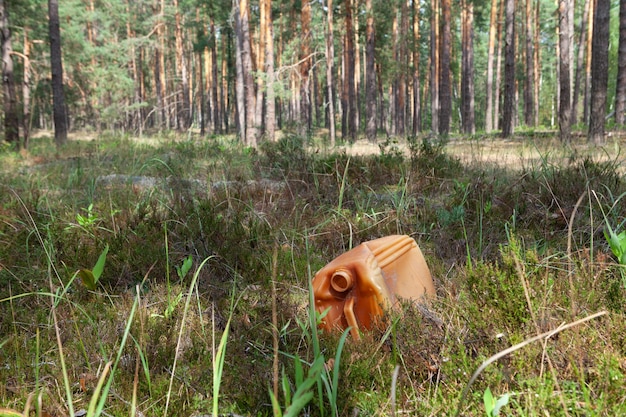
(201, 254)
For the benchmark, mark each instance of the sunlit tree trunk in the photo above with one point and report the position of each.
(565, 102)
(467, 67)
(599, 70)
(498, 93)
(245, 86)
(580, 61)
(537, 60)
(158, 67)
(183, 116)
(489, 125)
(26, 90)
(240, 95)
(261, 74)
(11, 122)
(305, 68)
(56, 66)
(330, 58)
(225, 99)
(214, 86)
(590, 29)
(370, 74)
(417, 111)
(620, 90)
(392, 128)
(529, 90)
(434, 65)
(445, 91)
(349, 74)
(509, 69)
(270, 101)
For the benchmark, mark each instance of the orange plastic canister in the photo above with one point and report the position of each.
(358, 286)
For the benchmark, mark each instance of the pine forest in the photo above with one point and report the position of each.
(348, 69)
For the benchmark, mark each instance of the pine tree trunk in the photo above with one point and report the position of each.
(56, 65)
(490, 58)
(225, 98)
(240, 84)
(250, 92)
(579, 61)
(215, 86)
(497, 124)
(183, 116)
(509, 69)
(537, 60)
(270, 101)
(417, 111)
(599, 71)
(330, 58)
(445, 92)
(620, 90)
(26, 90)
(529, 89)
(305, 68)
(370, 74)
(393, 87)
(349, 74)
(467, 71)
(434, 65)
(590, 29)
(11, 122)
(565, 102)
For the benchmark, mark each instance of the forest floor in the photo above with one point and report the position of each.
(171, 275)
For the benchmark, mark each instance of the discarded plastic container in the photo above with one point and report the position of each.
(365, 282)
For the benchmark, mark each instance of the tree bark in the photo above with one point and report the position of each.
(509, 69)
(246, 61)
(305, 68)
(445, 92)
(349, 74)
(434, 65)
(183, 116)
(330, 58)
(417, 111)
(240, 84)
(467, 70)
(599, 71)
(11, 122)
(489, 125)
(370, 74)
(588, 45)
(270, 101)
(56, 66)
(620, 90)
(529, 99)
(564, 72)
(497, 123)
(579, 61)
(26, 90)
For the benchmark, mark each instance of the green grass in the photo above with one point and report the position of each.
(237, 233)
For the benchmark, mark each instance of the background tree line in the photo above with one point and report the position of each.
(353, 67)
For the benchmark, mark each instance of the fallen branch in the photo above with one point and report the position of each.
(518, 346)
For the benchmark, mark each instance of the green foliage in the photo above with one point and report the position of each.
(493, 405)
(304, 389)
(192, 344)
(90, 277)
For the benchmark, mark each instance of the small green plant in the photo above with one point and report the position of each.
(89, 219)
(615, 240)
(90, 277)
(493, 405)
(182, 271)
(304, 388)
(184, 268)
